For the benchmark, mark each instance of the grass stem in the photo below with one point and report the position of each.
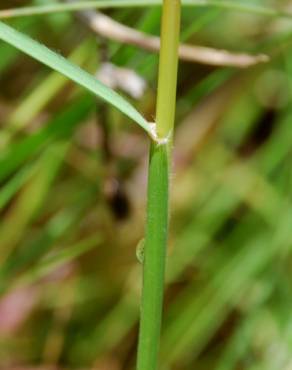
(158, 191)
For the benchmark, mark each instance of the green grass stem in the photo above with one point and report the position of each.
(158, 191)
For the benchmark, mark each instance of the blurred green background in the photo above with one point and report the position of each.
(73, 175)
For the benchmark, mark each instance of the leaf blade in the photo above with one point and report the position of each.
(58, 63)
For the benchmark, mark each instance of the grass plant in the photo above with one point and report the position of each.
(73, 199)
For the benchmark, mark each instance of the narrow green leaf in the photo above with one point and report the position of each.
(8, 190)
(52, 262)
(103, 4)
(70, 70)
(59, 127)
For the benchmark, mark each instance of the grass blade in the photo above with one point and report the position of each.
(60, 126)
(103, 4)
(63, 256)
(70, 70)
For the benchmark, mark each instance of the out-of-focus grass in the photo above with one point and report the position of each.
(72, 202)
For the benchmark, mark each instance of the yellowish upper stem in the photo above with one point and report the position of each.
(168, 63)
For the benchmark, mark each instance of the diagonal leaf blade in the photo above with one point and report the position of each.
(241, 6)
(72, 71)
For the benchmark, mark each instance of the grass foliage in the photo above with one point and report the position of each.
(73, 195)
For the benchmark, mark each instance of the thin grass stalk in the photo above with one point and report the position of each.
(158, 191)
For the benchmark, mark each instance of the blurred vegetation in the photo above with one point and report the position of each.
(73, 193)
